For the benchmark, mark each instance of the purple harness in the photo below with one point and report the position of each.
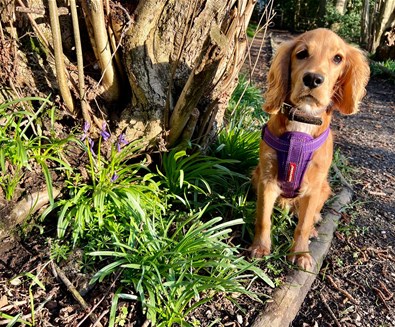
(294, 152)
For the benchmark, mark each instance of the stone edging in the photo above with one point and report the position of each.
(287, 300)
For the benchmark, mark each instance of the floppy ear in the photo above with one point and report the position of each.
(278, 78)
(352, 85)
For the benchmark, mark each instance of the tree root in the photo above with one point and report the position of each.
(26, 207)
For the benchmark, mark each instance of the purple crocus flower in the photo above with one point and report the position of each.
(104, 134)
(121, 141)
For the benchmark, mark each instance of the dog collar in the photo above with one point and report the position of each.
(294, 152)
(295, 114)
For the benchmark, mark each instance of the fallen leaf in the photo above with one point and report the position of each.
(3, 301)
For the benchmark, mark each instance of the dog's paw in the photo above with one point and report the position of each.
(313, 233)
(304, 261)
(258, 250)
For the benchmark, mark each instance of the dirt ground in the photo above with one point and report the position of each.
(356, 284)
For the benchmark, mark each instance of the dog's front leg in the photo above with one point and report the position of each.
(308, 208)
(267, 195)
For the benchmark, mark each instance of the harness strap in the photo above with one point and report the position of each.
(294, 152)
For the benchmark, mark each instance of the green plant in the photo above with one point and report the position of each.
(189, 177)
(13, 320)
(341, 171)
(239, 139)
(240, 145)
(246, 96)
(251, 29)
(177, 265)
(383, 69)
(23, 144)
(34, 281)
(121, 318)
(347, 225)
(348, 24)
(58, 251)
(115, 190)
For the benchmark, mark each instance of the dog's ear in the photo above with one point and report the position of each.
(351, 86)
(278, 78)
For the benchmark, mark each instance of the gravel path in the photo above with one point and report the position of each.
(357, 283)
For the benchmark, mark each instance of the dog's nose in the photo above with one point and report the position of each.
(312, 80)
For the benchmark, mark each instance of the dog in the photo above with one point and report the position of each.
(310, 77)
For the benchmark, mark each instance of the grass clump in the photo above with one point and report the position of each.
(182, 262)
(24, 146)
(239, 139)
(383, 69)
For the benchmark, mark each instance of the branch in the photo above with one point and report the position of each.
(40, 11)
(86, 110)
(40, 35)
(201, 77)
(95, 11)
(58, 50)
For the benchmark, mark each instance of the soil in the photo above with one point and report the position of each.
(355, 287)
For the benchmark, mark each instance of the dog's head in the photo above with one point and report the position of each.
(314, 70)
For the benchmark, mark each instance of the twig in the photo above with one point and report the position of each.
(13, 305)
(146, 323)
(101, 300)
(330, 311)
(27, 316)
(95, 11)
(1, 31)
(341, 177)
(97, 322)
(75, 293)
(382, 254)
(381, 296)
(40, 11)
(390, 294)
(344, 292)
(41, 36)
(124, 30)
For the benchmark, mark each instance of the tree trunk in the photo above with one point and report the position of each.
(182, 58)
(384, 21)
(365, 24)
(341, 6)
(167, 67)
(386, 48)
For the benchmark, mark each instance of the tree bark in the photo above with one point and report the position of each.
(341, 6)
(365, 24)
(384, 21)
(182, 56)
(386, 48)
(181, 59)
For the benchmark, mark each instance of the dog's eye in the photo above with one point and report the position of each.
(337, 59)
(302, 54)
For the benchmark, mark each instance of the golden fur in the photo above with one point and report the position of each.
(345, 73)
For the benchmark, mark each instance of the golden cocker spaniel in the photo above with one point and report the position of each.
(310, 77)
